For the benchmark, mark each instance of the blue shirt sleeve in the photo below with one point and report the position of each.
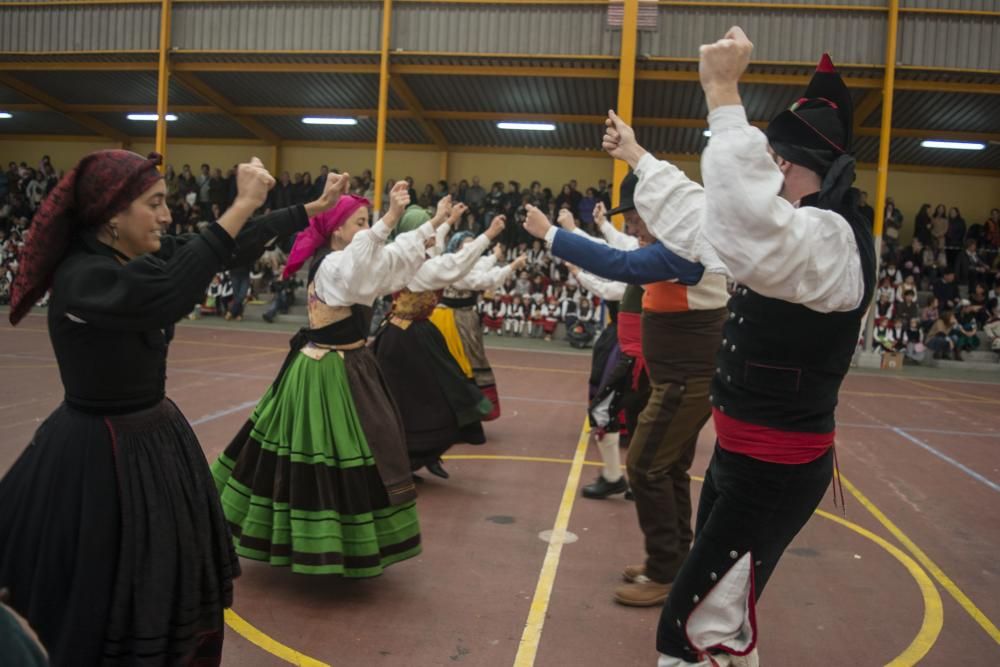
(651, 264)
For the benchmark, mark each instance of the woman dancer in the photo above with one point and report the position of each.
(458, 320)
(114, 545)
(440, 406)
(318, 478)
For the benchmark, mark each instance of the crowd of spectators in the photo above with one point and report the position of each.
(935, 294)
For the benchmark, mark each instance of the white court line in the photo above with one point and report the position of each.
(575, 404)
(223, 413)
(944, 457)
(890, 427)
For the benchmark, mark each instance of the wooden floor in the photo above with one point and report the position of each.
(911, 576)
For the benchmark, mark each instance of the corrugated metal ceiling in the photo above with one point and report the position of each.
(402, 131)
(515, 94)
(40, 122)
(106, 87)
(187, 125)
(284, 89)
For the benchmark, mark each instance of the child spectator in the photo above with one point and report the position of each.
(515, 317)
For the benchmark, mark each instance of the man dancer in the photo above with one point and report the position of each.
(779, 214)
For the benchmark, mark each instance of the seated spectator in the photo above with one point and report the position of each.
(537, 315)
(907, 309)
(979, 304)
(515, 317)
(913, 341)
(929, 315)
(885, 309)
(581, 332)
(886, 289)
(946, 290)
(492, 310)
(911, 260)
(942, 337)
(968, 329)
(523, 285)
(552, 314)
(890, 271)
(883, 337)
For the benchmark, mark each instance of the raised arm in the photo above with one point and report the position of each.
(609, 290)
(440, 272)
(804, 255)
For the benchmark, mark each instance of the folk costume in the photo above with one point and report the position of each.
(115, 548)
(805, 273)
(458, 320)
(439, 404)
(318, 478)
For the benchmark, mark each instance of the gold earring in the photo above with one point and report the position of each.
(114, 233)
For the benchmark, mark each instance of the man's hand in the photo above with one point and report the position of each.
(536, 223)
(497, 226)
(573, 268)
(566, 219)
(720, 66)
(619, 141)
(520, 263)
(336, 185)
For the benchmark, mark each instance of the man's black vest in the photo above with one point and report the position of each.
(781, 364)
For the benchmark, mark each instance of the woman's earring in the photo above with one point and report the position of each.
(114, 233)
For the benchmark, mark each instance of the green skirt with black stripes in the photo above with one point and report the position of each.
(318, 478)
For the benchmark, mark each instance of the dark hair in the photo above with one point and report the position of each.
(940, 207)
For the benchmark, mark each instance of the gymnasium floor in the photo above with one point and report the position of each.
(911, 576)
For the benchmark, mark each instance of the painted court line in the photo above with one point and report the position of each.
(961, 598)
(222, 413)
(532, 635)
(889, 427)
(944, 457)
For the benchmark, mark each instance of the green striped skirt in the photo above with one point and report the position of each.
(318, 478)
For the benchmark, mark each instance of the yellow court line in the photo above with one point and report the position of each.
(933, 621)
(961, 598)
(532, 635)
(530, 459)
(272, 646)
(954, 392)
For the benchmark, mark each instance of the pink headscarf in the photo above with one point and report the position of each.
(318, 233)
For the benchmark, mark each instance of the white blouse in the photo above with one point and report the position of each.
(440, 272)
(369, 268)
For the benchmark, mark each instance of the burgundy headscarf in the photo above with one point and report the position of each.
(100, 186)
(318, 233)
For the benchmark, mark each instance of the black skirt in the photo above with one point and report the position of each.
(114, 546)
(440, 406)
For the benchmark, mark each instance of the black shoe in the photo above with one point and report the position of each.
(602, 488)
(437, 469)
(629, 495)
(417, 479)
(268, 317)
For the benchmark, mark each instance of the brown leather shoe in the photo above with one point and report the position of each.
(632, 572)
(643, 592)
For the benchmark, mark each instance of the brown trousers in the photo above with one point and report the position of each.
(659, 457)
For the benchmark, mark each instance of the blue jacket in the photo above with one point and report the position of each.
(651, 264)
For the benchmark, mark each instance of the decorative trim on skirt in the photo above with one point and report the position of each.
(318, 479)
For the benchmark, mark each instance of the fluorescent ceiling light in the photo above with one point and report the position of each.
(533, 127)
(4, 114)
(707, 133)
(329, 121)
(150, 117)
(954, 145)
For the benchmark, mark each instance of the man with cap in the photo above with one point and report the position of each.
(674, 339)
(778, 213)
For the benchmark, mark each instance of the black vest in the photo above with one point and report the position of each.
(781, 364)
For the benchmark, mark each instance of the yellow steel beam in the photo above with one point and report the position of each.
(416, 110)
(383, 103)
(511, 71)
(201, 88)
(290, 67)
(865, 107)
(884, 146)
(626, 85)
(41, 97)
(163, 81)
(769, 6)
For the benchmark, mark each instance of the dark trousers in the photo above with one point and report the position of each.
(659, 457)
(747, 505)
(241, 285)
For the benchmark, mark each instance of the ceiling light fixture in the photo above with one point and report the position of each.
(531, 127)
(4, 114)
(953, 145)
(151, 117)
(316, 120)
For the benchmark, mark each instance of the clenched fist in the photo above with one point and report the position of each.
(536, 223)
(253, 182)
